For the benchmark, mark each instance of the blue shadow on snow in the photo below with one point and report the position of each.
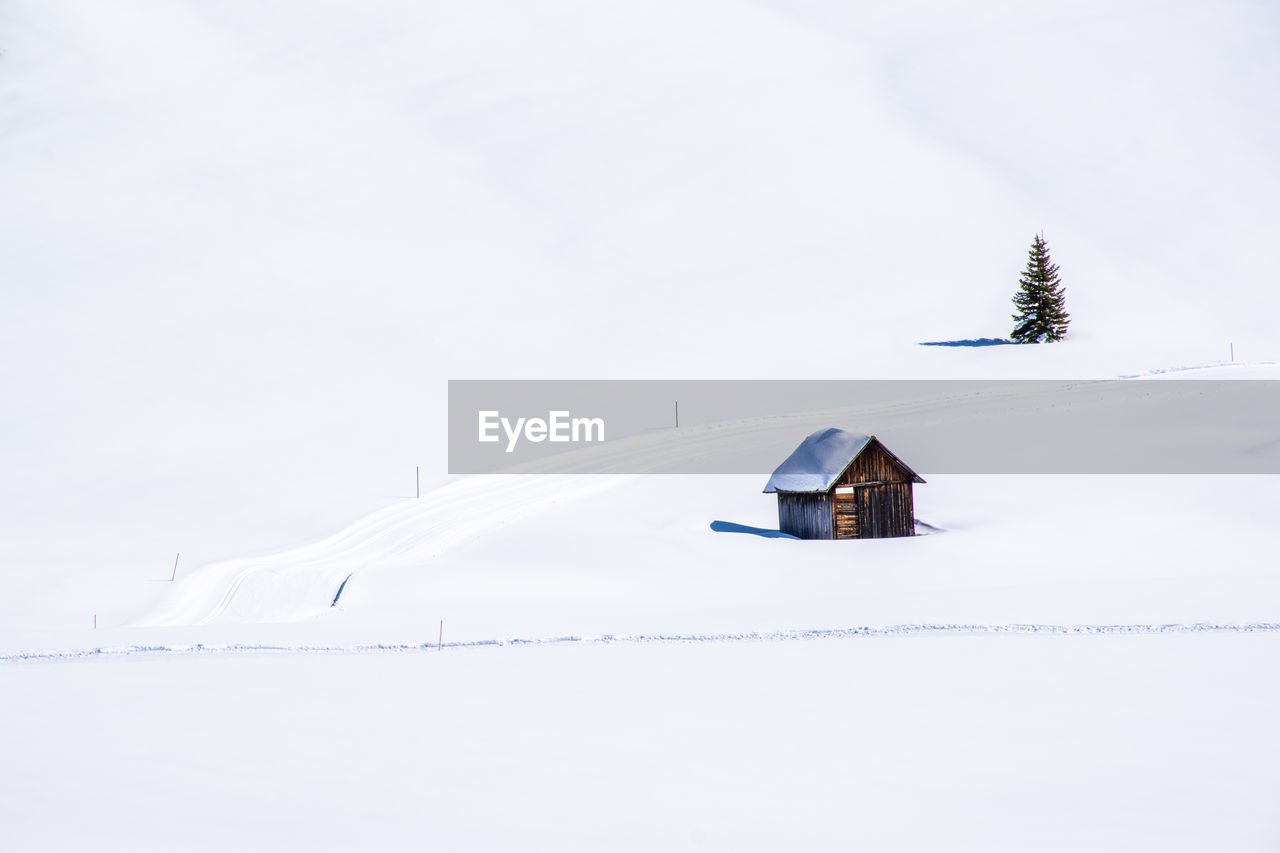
(968, 342)
(730, 527)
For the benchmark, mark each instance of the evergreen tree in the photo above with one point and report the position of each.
(1040, 299)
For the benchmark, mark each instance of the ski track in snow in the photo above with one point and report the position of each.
(37, 656)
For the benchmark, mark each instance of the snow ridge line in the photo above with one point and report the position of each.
(1161, 371)
(636, 639)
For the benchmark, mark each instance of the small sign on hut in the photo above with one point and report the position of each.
(840, 485)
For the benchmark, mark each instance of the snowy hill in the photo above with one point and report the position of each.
(593, 550)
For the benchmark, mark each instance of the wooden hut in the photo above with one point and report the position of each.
(840, 485)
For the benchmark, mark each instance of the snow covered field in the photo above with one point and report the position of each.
(245, 246)
(912, 743)
(614, 674)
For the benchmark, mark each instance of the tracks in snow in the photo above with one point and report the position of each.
(36, 656)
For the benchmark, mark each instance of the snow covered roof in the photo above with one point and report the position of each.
(817, 462)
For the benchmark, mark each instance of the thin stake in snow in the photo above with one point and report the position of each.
(677, 414)
(417, 478)
(341, 587)
(95, 620)
(440, 641)
(173, 576)
(1233, 352)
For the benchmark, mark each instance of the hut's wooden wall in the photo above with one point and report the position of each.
(879, 505)
(885, 511)
(806, 515)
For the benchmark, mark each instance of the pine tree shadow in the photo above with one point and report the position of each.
(969, 342)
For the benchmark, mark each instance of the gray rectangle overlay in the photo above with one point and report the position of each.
(1158, 426)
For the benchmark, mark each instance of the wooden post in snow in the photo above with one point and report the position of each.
(677, 414)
